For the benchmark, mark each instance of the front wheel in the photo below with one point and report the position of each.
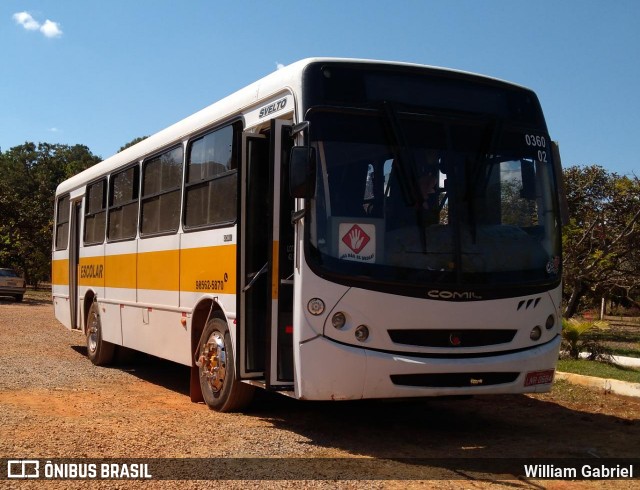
(99, 352)
(220, 388)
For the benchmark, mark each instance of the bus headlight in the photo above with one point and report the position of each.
(362, 333)
(551, 321)
(315, 306)
(338, 320)
(536, 333)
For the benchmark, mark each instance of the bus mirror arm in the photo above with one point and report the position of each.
(302, 171)
(253, 277)
(297, 216)
(298, 128)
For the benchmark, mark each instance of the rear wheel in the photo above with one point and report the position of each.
(98, 351)
(220, 388)
(18, 297)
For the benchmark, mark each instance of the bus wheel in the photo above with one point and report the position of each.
(98, 351)
(220, 388)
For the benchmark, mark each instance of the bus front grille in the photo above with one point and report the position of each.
(451, 338)
(453, 380)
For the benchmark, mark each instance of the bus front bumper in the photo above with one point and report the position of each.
(331, 371)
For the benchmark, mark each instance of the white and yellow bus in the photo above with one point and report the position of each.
(338, 230)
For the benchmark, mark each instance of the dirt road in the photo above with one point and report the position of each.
(55, 404)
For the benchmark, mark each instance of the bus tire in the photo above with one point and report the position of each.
(99, 351)
(19, 297)
(216, 369)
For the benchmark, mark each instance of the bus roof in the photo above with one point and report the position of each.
(286, 78)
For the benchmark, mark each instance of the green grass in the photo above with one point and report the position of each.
(599, 370)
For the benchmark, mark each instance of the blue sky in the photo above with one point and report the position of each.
(101, 73)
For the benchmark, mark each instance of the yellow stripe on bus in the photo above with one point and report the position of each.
(159, 270)
(91, 271)
(206, 269)
(209, 269)
(60, 272)
(120, 271)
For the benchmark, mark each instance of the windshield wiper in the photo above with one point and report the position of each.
(489, 141)
(406, 171)
(403, 158)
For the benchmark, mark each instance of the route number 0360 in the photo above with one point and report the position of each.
(537, 142)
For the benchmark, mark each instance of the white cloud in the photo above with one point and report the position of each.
(279, 66)
(49, 28)
(53, 130)
(27, 21)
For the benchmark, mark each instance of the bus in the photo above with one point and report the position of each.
(340, 229)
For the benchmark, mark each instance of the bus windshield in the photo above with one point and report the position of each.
(431, 199)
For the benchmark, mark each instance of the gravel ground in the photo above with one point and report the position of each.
(55, 404)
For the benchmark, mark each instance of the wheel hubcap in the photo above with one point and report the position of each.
(214, 361)
(92, 332)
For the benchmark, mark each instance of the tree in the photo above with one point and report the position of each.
(601, 240)
(575, 339)
(132, 142)
(29, 175)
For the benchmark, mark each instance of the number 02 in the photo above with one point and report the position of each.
(542, 156)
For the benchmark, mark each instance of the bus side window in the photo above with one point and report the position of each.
(161, 185)
(62, 223)
(95, 213)
(211, 181)
(123, 204)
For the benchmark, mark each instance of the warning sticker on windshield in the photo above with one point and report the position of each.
(357, 242)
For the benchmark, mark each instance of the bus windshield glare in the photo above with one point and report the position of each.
(425, 198)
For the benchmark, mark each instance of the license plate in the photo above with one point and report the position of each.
(539, 377)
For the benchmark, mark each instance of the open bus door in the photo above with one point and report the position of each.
(264, 335)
